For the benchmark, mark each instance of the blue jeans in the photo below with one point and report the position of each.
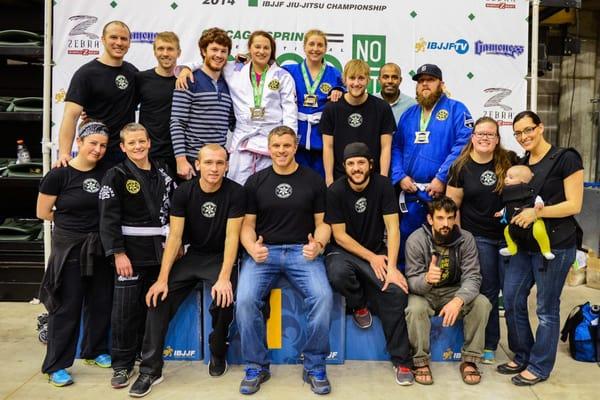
(492, 266)
(255, 283)
(523, 271)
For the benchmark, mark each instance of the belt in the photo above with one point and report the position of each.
(402, 198)
(312, 119)
(145, 230)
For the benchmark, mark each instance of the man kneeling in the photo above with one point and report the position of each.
(442, 268)
(210, 211)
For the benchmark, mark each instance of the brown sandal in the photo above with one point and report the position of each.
(465, 374)
(418, 373)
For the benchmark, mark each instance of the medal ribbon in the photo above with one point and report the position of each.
(424, 122)
(311, 89)
(257, 88)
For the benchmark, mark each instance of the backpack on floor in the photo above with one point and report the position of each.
(582, 330)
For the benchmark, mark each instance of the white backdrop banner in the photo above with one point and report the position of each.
(480, 45)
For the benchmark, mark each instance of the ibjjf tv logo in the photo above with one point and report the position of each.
(81, 41)
(371, 49)
(461, 46)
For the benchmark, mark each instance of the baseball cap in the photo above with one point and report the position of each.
(428, 69)
(357, 149)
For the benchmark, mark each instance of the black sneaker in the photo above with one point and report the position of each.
(217, 366)
(362, 318)
(120, 378)
(143, 385)
(254, 377)
(317, 378)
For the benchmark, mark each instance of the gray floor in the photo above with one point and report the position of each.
(22, 355)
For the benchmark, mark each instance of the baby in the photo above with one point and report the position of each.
(517, 195)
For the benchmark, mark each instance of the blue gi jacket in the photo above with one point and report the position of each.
(450, 127)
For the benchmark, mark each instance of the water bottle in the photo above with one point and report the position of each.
(22, 152)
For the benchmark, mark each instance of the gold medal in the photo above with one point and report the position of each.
(257, 113)
(310, 100)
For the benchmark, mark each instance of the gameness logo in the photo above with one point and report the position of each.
(507, 50)
(460, 46)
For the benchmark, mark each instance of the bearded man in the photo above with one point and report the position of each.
(429, 137)
(361, 266)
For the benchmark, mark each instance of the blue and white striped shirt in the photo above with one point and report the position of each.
(201, 115)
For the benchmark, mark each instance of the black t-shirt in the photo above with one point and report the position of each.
(107, 94)
(155, 94)
(206, 214)
(479, 202)
(365, 123)
(285, 205)
(362, 212)
(561, 230)
(77, 197)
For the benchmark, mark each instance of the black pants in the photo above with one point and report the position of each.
(187, 272)
(93, 296)
(129, 315)
(354, 278)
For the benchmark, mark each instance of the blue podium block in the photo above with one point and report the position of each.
(369, 344)
(286, 328)
(365, 344)
(184, 337)
(446, 343)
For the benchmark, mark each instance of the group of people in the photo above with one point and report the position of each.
(392, 202)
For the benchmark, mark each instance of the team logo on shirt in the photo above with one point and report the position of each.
(209, 209)
(361, 205)
(355, 120)
(274, 84)
(442, 115)
(283, 190)
(121, 82)
(132, 186)
(325, 87)
(488, 178)
(91, 185)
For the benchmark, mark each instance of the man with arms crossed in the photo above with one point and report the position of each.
(210, 211)
(284, 234)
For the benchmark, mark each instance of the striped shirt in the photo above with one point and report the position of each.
(200, 115)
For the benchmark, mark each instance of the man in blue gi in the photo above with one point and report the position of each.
(429, 137)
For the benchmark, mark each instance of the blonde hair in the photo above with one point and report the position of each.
(356, 67)
(166, 36)
(314, 32)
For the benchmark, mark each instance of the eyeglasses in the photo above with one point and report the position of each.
(526, 131)
(487, 135)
